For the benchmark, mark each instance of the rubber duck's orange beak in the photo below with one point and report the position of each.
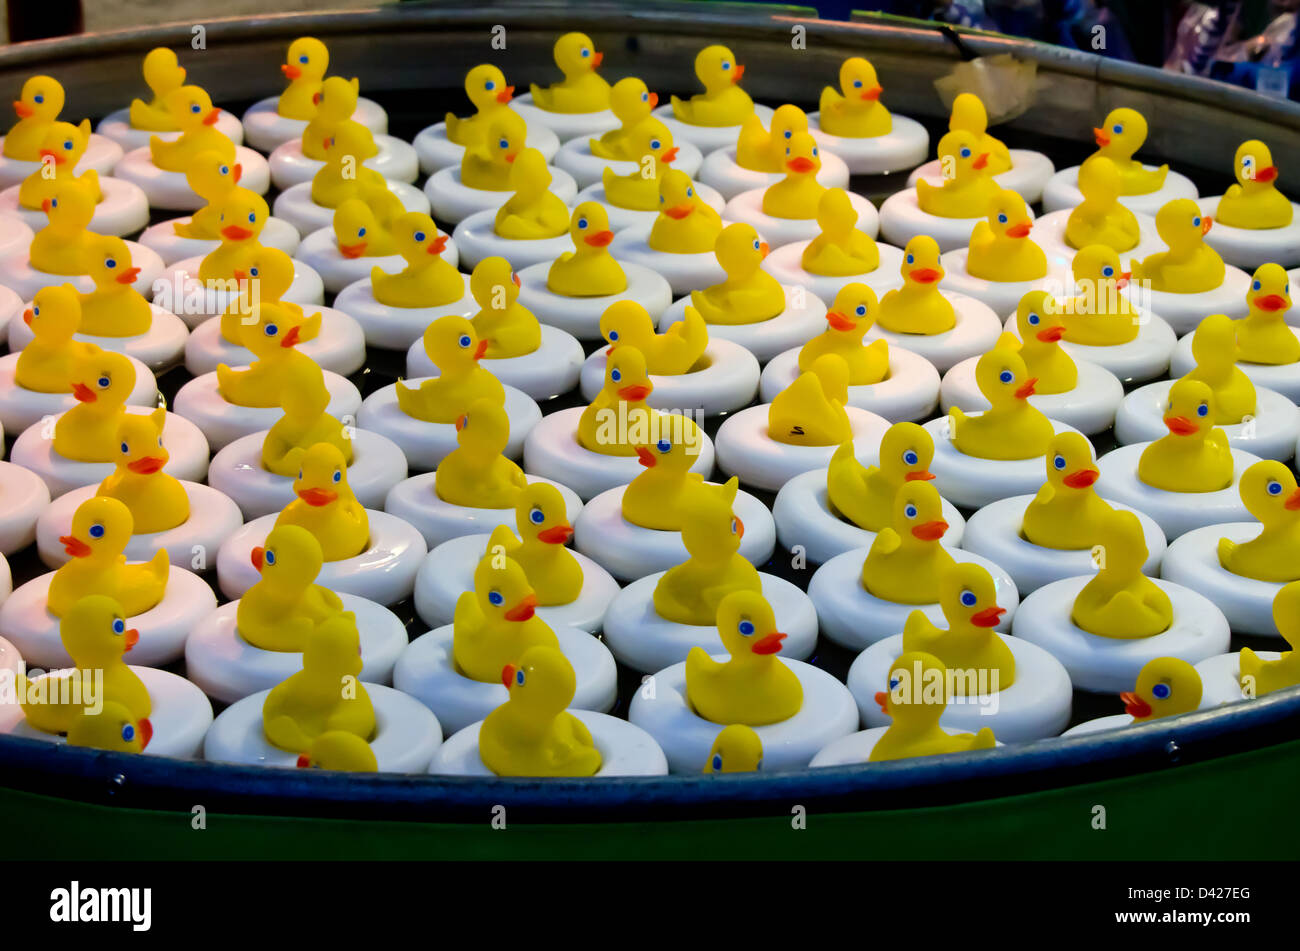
(515, 278)
(146, 733)
(1272, 302)
(989, 617)
(132, 637)
(653, 100)
(768, 643)
(1293, 500)
(981, 161)
(634, 393)
(315, 101)
(1081, 478)
(597, 59)
(764, 249)
(506, 95)
(83, 393)
(461, 420)
(882, 699)
(801, 165)
(839, 321)
(1051, 334)
(212, 117)
(258, 557)
(925, 275)
(739, 528)
(1206, 224)
(480, 349)
(524, 610)
(74, 546)
(28, 316)
(240, 276)
(45, 206)
(600, 239)
(1180, 425)
(1020, 229)
(236, 233)
(1100, 137)
(304, 761)
(646, 457)
(291, 338)
(438, 245)
(317, 497)
(738, 72)
(1135, 706)
(920, 475)
(23, 109)
(51, 154)
(146, 466)
(291, 71)
(128, 276)
(1027, 389)
(680, 211)
(353, 251)
(1122, 281)
(510, 157)
(930, 531)
(1266, 174)
(872, 94)
(556, 534)
(670, 156)
(238, 172)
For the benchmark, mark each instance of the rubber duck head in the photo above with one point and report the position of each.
(1254, 164)
(41, 98)
(903, 698)
(211, 176)
(836, 216)
(102, 377)
(626, 323)
(502, 591)
(540, 514)
(631, 101)
(69, 209)
(747, 626)
(576, 55)
(55, 313)
(1123, 132)
(921, 266)
(289, 561)
(669, 454)
(1270, 290)
(1268, 490)
(968, 114)
(832, 373)
(1181, 225)
(960, 157)
(677, 196)
(505, 137)
(272, 269)
(338, 99)
(787, 121)
(1191, 409)
(1003, 378)
(918, 512)
(739, 250)
(339, 750)
(113, 728)
(94, 631)
(64, 143)
(1098, 265)
(626, 378)
(141, 442)
(354, 227)
(589, 228)
(307, 58)
(348, 141)
(483, 429)
(192, 107)
(542, 683)
(109, 263)
(417, 237)
(323, 476)
(1037, 320)
(802, 160)
(651, 143)
(1214, 344)
(274, 329)
(332, 651)
(858, 80)
(1099, 181)
(243, 215)
(494, 284)
(1070, 465)
(1166, 687)
(1122, 543)
(968, 597)
(452, 344)
(303, 395)
(716, 68)
(529, 174)
(101, 527)
(906, 451)
(162, 71)
(737, 749)
(710, 528)
(854, 309)
(1008, 215)
(485, 85)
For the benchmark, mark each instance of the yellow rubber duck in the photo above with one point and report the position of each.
(1261, 677)
(1254, 202)
(337, 750)
(327, 695)
(510, 328)
(797, 195)
(304, 66)
(61, 150)
(1000, 247)
(532, 734)
(95, 635)
(840, 249)
(358, 231)
(1166, 687)
(485, 85)
(748, 294)
(326, 506)
(918, 307)
(1099, 316)
(156, 500)
(305, 422)
(101, 527)
(455, 350)
(1100, 218)
(1194, 455)
(196, 118)
(264, 277)
(114, 308)
(685, 224)
(427, 280)
(272, 337)
(737, 749)
(914, 728)
(163, 75)
(63, 245)
(496, 622)
(761, 150)
(214, 180)
(101, 382)
(654, 498)
(850, 316)
(1120, 601)
(335, 104)
(865, 496)
(1065, 512)
(969, 115)
(906, 559)
(45, 364)
(1124, 132)
(37, 108)
(475, 474)
(650, 146)
(691, 592)
(589, 270)
(1190, 266)
(673, 352)
(533, 211)
(631, 102)
(242, 218)
(1214, 347)
(855, 110)
(343, 176)
(582, 89)
(752, 686)
(1264, 336)
(285, 604)
(487, 163)
(1012, 428)
(1269, 492)
(968, 597)
(1039, 344)
(810, 411)
(113, 728)
(723, 102)
(968, 186)
(543, 526)
(622, 397)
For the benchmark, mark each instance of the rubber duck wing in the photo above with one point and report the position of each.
(887, 541)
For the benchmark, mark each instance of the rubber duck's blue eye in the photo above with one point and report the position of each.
(690, 193)
(497, 598)
(54, 203)
(68, 145)
(504, 143)
(968, 598)
(717, 762)
(585, 52)
(1058, 461)
(361, 232)
(616, 375)
(119, 626)
(39, 99)
(1117, 128)
(1034, 319)
(299, 475)
(489, 85)
(735, 526)
(195, 108)
(1257, 285)
(419, 236)
(125, 448)
(746, 628)
(965, 153)
(860, 310)
(1002, 219)
(36, 312)
(1197, 221)
(758, 245)
(536, 516)
(655, 144)
(110, 262)
(519, 677)
(464, 341)
(252, 217)
(338, 476)
(1107, 271)
(303, 59)
(582, 224)
(103, 382)
(1275, 488)
(254, 271)
(97, 531)
(726, 65)
(911, 259)
(128, 733)
(857, 84)
(1161, 691)
(613, 335)
(663, 445)
(225, 170)
(893, 683)
(814, 151)
(645, 97)
(271, 330)
(910, 510)
(1203, 410)
(1006, 376)
(911, 458)
(269, 556)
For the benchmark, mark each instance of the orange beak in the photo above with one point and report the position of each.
(920, 475)
(74, 546)
(146, 466)
(511, 157)
(506, 95)
(45, 206)
(353, 251)
(524, 610)
(882, 699)
(1180, 425)
(981, 161)
(1051, 334)
(23, 110)
(83, 393)
(556, 534)
(240, 275)
(1026, 389)
(128, 276)
(653, 100)
(1081, 478)
(1100, 137)
(317, 497)
(290, 70)
(670, 156)
(989, 617)
(291, 338)
(768, 643)
(304, 761)
(480, 349)
(315, 101)
(146, 733)
(438, 245)
(646, 457)
(1272, 302)
(738, 72)
(872, 94)
(1206, 224)
(802, 165)
(1135, 706)
(838, 321)
(930, 531)
(51, 154)
(507, 675)
(1122, 281)
(212, 117)
(764, 249)
(515, 278)
(258, 558)
(600, 239)
(1266, 174)
(597, 59)
(925, 275)
(238, 172)
(236, 233)
(132, 637)
(28, 316)
(635, 393)
(1020, 229)
(1293, 500)
(679, 211)
(461, 420)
